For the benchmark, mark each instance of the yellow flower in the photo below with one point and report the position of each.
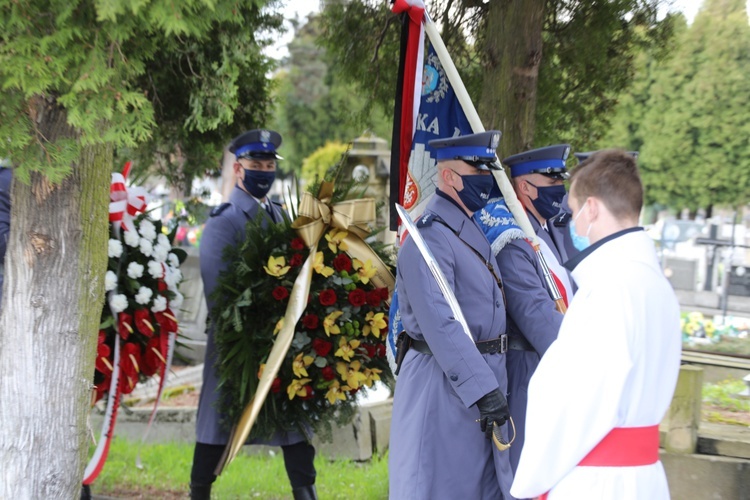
(300, 363)
(260, 370)
(372, 374)
(336, 391)
(297, 388)
(279, 326)
(350, 374)
(375, 323)
(710, 328)
(346, 349)
(365, 271)
(276, 266)
(321, 268)
(335, 238)
(329, 323)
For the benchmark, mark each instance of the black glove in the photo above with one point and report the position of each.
(493, 407)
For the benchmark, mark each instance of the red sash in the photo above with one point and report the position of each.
(623, 447)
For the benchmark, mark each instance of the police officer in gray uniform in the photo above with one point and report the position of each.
(254, 171)
(6, 178)
(533, 320)
(451, 387)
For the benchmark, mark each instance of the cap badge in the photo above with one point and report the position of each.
(265, 136)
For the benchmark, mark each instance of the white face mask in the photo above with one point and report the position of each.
(579, 242)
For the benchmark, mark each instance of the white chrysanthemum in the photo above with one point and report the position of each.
(110, 281)
(147, 230)
(114, 249)
(132, 239)
(162, 240)
(135, 270)
(174, 261)
(173, 277)
(160, 253)
(144, 295)
(160, 304)
(176, 302)
(118, 303)
(155, 269)
(146, 247)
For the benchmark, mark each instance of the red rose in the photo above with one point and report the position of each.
(357, 297)
(384, 294)
(370, 350)
(276, 385)
(124, 325)
(310, 321)
(342, 262)
(298, 244)
(373, 298)
(280, 293)
(143, 322)
(296, 260)
(327, 297)
(328, 373)
(381, 350)
(322, 347)
(309, 392)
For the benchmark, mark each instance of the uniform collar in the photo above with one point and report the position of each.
(242, 200)
(459, 222)
(572, 263)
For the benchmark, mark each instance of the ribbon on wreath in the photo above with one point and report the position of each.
(125, 203)
(315, 217)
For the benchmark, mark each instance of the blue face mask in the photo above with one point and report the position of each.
(548, 200)
(476, 191)
(258, 182)
(581, 243)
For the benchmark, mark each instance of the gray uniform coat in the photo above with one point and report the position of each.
(531, 314)
(437, 450)
(225, 227)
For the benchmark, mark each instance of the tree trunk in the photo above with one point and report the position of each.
(52, 303)
(512, 51)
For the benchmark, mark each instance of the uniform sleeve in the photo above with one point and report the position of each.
(219, 233)
(575, 393)
(528, 302)
(5, 182)
(455, 353)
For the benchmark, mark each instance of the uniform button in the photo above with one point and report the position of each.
(497, 303)
(454, 378)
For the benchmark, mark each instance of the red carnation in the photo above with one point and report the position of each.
(280, 293)
(296, 260)
(381, 350)
(327, 297)
(384, 293)
(342, 262)
(143, 322)
(276, 385)
(357, 297)
(370, 350)
(298, 244)
(309, 392)
(124, 325)
(310, 321)
(322, 347)
(328, 373)
(373, 298)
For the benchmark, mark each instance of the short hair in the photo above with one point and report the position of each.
(612, 176)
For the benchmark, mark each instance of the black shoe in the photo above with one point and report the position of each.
(305, 493)
(200, 492)
(85, 492)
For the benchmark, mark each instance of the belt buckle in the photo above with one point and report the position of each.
(503, 343)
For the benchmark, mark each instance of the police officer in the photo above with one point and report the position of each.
(254, 170)
(558, 225)
(451, 387)
(5, 181)
(533, 320)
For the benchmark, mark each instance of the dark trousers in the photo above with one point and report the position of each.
(298, 460)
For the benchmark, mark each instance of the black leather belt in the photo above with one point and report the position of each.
(494, 346)
(519, 343)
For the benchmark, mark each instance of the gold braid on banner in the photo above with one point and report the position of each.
(316, 216)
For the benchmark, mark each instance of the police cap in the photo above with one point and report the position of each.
(258, 144)
(549, 161)
(478, 150)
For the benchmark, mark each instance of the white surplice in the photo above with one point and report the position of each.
(615, 364)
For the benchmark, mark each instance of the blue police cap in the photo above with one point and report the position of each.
(478, 150)
(585, 156)
(549, 161)
(258, 144)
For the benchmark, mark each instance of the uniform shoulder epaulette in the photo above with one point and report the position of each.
(427, 219)
(217, 210)
(561, 220)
